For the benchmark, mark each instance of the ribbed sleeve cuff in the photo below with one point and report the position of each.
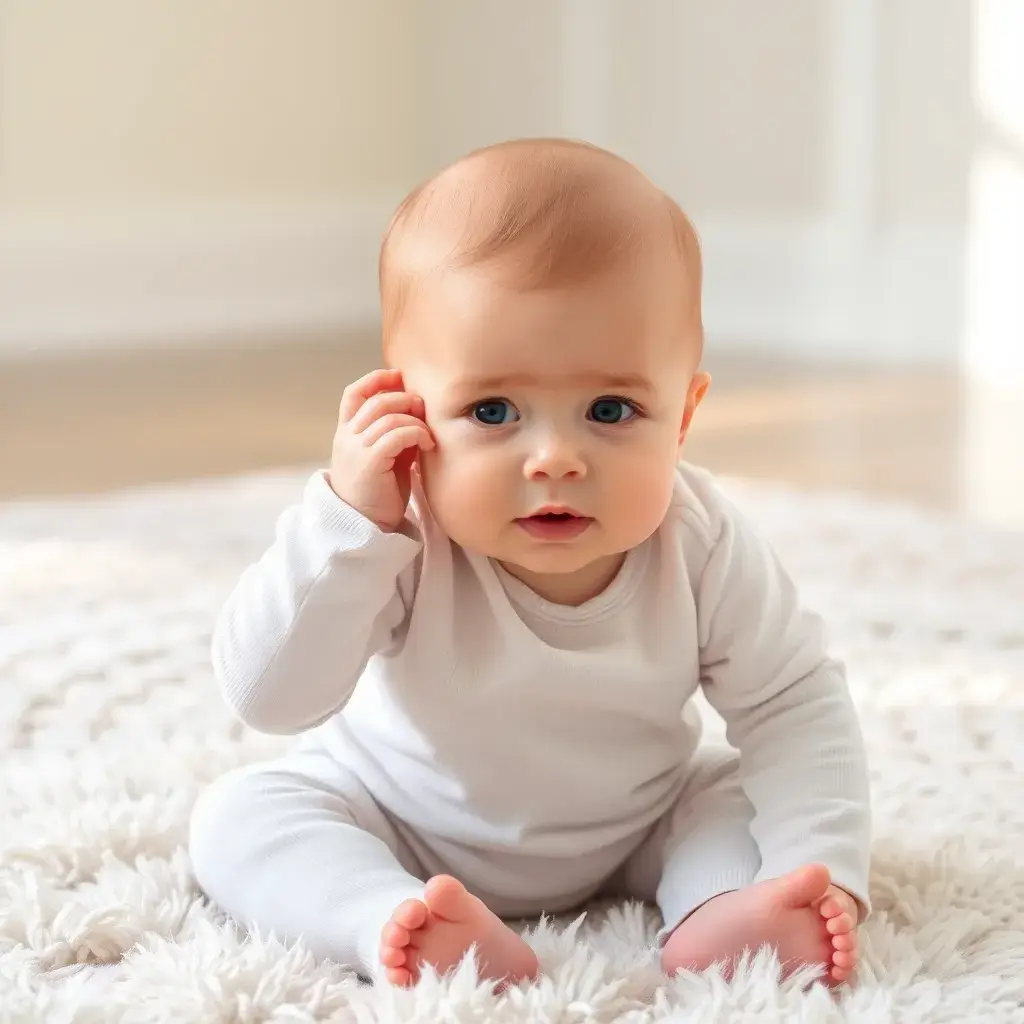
(353, 530)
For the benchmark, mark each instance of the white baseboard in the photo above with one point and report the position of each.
(197, 276)
(786, 287)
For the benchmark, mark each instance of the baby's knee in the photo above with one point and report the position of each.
(217, 824)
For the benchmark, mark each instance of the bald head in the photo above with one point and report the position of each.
(536, 213)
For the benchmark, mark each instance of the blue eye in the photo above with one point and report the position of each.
(495, 412)
(611, 410)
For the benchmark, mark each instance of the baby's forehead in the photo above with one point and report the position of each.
(509, 350)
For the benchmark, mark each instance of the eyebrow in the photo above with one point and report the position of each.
(622, 381)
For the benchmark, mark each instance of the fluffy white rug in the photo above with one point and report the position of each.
(110, 724)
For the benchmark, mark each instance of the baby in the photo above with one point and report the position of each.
(487, 621)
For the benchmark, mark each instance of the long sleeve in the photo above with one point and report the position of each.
(300, 625)
(765, 668)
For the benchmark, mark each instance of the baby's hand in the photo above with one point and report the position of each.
(380, 433)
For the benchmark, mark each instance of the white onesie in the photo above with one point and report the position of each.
(528, 748)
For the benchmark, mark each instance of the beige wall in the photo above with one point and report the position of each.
(926, 130)
(495, 72)
(194, 101)
(725, 101)
(114, 103)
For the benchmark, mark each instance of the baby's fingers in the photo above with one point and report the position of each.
(385, 425)
(360, 391)
(384, 404)
(392, 441)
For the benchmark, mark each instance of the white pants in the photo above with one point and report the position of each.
(300, 848)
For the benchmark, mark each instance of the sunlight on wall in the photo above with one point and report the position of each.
(993, 353)
(994, 342)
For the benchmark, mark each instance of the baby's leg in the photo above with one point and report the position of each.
(700, 866)
(300, 848)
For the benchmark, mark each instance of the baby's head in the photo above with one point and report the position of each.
(543, 298)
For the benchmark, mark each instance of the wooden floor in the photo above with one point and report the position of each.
(105, 421)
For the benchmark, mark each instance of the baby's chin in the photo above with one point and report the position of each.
(566, 580)
(540, 568)
(555, 560)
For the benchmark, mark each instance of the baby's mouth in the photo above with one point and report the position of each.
(555, 526)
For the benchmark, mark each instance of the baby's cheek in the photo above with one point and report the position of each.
(461, 490)
(648, 482)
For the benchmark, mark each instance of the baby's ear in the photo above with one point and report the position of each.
(694, 396)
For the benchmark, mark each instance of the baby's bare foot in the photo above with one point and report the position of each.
(784, 913)
(440, 928)
(839, 911)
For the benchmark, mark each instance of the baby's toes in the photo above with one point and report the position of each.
(399, 976)
(398, 955)
(395, 935)
(840, 974)
(844, 961)
(841, 925)
(830, 907)
(393, 956)
(411, 915)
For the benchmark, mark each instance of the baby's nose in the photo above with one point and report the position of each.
(555, 459)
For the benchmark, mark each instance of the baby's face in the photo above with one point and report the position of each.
(565, 401)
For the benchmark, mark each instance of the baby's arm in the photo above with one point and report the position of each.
(787, 708)
(300, 626)
(301, 623)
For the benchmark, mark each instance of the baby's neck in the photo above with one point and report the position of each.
(570, 588)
